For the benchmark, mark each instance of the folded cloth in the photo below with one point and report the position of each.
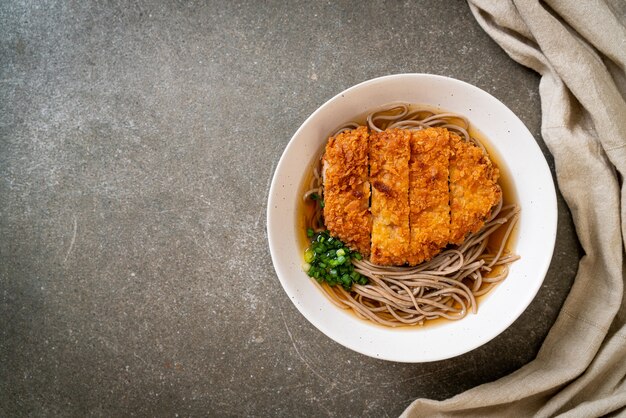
(579, 48)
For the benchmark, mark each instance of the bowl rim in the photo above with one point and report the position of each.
(273, 219)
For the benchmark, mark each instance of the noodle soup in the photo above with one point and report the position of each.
(451, 284)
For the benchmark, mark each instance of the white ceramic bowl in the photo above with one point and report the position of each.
(518, 152)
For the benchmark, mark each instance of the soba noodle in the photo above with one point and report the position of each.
(445, 286)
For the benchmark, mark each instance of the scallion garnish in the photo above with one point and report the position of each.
(328, 260)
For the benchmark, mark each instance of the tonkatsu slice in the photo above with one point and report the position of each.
(428, 193)
(474, 188)
(347, 188)
(389, 175)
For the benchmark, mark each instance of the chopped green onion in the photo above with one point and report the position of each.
(328, 260)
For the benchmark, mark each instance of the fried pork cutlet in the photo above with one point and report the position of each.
(389, 175)
(347, 189)
(429, 188)
(473, 188)
(428, 193)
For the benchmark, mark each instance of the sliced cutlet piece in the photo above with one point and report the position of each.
(389, 174)
(347, 189)
(474, 188)
(428, 193)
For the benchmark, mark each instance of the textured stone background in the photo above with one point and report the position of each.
(137, 143)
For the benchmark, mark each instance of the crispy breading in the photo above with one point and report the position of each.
(347, 189)
(428, 193)
(473, 188)
(429, 188)
(389, 176)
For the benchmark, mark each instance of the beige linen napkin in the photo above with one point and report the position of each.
(579, 48)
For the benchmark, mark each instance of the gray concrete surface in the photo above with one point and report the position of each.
(137, 143)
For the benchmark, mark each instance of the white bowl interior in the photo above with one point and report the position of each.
(529, 174)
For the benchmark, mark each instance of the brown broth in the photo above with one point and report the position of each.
(306, 208)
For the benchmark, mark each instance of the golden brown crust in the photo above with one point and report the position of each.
(428, 193)
(389, 175)
(474, 190)
(347, 189)
(428, 188)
